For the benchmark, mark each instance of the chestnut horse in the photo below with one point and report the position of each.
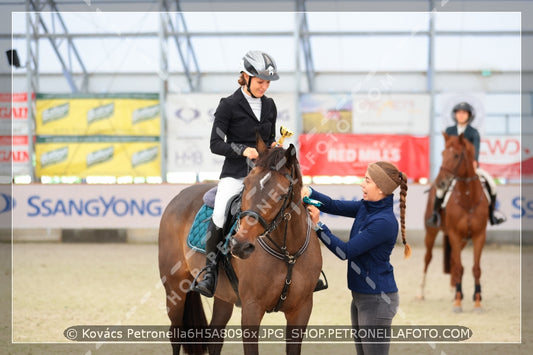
(277, 256)
(465, 216)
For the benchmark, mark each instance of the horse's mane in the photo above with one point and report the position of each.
(275, 159)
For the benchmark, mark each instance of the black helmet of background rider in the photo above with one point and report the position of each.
(464, 106)
(259, 64)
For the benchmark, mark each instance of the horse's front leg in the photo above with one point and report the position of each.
(251, 316)
(296, 324)
(456, 271)
(479, 242)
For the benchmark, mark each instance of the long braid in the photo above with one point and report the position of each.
(403, 195)
(401, 179)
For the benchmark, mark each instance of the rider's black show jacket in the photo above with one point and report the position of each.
(234, 129)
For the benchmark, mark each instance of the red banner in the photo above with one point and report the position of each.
(503, 156)
(350, 154)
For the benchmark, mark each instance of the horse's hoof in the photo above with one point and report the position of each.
(478, 310)
(457, 309)
(419, 297)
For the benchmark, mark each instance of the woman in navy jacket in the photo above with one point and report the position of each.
(237, 119)
(372, 238)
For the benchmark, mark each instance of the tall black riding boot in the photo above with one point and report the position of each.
(208, 285)
(434, 219)
(493, 218)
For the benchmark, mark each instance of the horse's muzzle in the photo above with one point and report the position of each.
(241, 250)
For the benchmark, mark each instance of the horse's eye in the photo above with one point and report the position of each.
(456, 156)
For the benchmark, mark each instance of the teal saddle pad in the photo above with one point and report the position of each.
(196, 238)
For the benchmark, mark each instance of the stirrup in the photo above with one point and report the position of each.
(321, 284)
(205, 291)
(194, 282)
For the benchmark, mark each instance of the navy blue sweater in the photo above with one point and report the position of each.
(372, 238)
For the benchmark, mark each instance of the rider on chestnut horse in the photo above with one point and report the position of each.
(463, 114)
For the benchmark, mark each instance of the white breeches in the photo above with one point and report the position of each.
(227, 187)
(486, 176)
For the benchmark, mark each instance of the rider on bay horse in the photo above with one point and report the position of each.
(237, 119)
(463, 114)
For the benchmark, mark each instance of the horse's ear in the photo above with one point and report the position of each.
(290, 155)
(461, 136)
(260, 143)
(445, 136)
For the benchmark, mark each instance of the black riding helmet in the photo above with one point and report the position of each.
(464, 106)
(259, 64)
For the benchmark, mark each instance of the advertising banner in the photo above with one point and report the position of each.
(192, 154)
(141, 206)
(350, 154)
(14, 156)
(502, 156)
(391, 114)
(190, 115)
(13, 113)
(326, 113)
(128, 114)
(189, 122)
(117, 156)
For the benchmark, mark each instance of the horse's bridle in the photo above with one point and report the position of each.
(456, 169)
(281, 253)
(280, 216)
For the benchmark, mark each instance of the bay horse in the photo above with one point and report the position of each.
(277, 256)
(465, 216)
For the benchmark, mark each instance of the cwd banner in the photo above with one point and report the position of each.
(85, 156)
(113, 114)
(503, 156)
(350, 154)
(189, 121)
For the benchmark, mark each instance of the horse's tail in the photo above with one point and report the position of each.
(194, 317)
(447, 248)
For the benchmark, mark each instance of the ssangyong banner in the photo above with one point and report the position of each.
(350, 154)
(502, 156)
(141, 206)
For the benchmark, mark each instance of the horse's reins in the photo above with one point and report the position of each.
(281, 253)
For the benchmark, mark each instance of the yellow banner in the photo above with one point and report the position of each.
(98, 158)
(81, 116)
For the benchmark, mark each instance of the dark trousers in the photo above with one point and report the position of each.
(369, 311)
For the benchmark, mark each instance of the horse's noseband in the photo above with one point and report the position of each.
(280, 216)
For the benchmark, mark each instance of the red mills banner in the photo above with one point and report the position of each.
(350, 154)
